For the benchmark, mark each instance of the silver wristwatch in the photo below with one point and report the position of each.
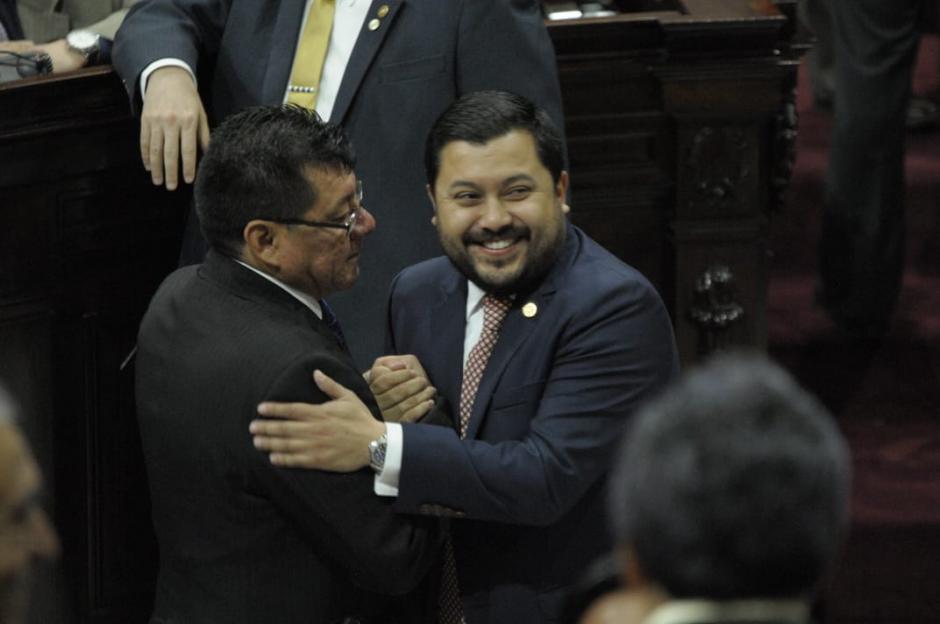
(377, 449)
(86, 43)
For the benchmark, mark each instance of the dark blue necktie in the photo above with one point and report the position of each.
(331, 321)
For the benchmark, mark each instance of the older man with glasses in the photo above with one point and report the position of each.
(243, 541)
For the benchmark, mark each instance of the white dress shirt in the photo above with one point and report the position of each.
(302, 297)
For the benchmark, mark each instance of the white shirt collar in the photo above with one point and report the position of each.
(302, 297)
(475, 296)
(691, 611)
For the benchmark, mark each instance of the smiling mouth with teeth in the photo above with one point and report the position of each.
(498, 244)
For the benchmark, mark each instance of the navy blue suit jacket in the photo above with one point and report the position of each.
(400, 77)
(551, 407)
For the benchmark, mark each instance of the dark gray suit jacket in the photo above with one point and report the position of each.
(555, 396)
(240, 540)
(399, 79)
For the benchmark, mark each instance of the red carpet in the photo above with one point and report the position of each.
(886, 398)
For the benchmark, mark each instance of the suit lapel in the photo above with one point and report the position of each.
(444, 360)
(283, 44)
(367, 45)
(513, 333)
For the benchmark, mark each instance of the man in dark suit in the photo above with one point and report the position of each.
(729, 499)
(390, 69)
(242, 540)
(543, 393)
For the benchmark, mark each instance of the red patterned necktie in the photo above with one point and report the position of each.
(494, 311)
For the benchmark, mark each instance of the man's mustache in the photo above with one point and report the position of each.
(479, 237)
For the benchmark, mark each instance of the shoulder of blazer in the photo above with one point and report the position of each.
(431, 275)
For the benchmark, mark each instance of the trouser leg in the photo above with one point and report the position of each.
(862, 245)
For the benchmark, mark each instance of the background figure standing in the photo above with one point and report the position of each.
(820, 60)
(922, 112)
(862, 245)
(390, 68)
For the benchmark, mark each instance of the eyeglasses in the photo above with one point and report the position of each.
(348, 224)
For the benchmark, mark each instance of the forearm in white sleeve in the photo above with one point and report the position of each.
(166, 62)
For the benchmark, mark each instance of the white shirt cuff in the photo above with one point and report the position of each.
(166, 62)
(386, 482)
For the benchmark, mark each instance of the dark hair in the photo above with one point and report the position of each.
(255, 167)
(482, 116)
(733, 484)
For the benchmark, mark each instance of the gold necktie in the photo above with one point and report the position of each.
(311, 52)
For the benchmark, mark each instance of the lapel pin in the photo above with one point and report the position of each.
(529, 310)
(383, 11)
(374, 23)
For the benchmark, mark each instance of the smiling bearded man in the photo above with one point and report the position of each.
(542, 342)
(503, 251)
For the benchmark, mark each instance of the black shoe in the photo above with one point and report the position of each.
(923, 114)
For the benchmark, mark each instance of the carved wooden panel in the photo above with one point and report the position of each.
(680, 143)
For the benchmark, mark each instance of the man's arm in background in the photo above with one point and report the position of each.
(174, 124)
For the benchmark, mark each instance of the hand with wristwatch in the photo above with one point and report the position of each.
(78, 49)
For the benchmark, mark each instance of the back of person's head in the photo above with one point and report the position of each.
(481, 116)
(257, 165)
(733, 484)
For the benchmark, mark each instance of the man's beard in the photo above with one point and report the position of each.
(536, 265)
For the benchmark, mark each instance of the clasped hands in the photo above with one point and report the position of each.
(335, 435)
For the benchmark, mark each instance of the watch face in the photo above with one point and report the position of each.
(82, 39)
(377, 450)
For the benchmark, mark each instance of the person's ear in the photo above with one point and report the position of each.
(630, 568)
(263, 241)
(561, 191)
(430, 192)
